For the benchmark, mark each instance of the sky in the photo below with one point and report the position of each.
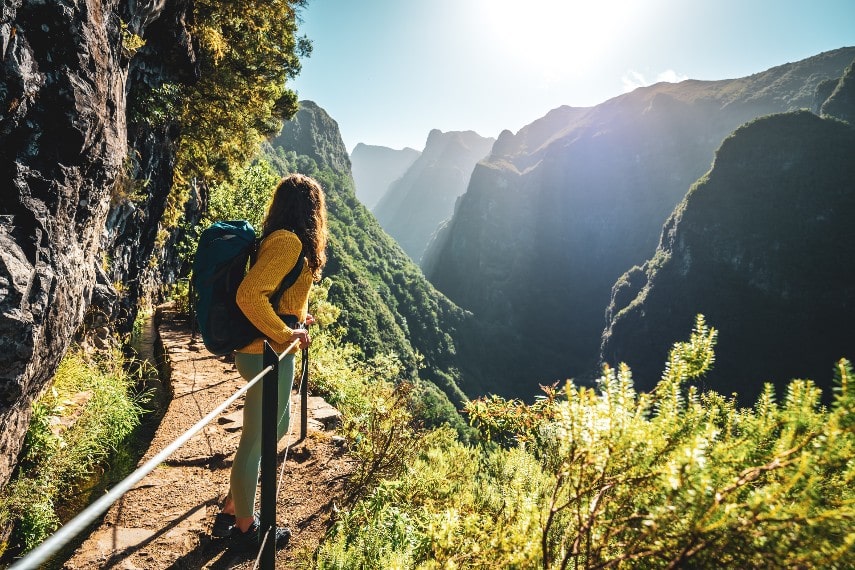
(389, 71)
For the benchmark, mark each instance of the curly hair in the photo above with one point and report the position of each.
(298, 205)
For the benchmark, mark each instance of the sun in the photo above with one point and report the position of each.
(556, 37)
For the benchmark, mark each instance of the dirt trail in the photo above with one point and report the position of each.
(164, 521)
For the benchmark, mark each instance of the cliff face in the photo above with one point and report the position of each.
(63, 140)
(562, 209)
(415, 204)
(68, 229)
(760, 246)
(376, 167)
(312, 132)
(388, 305)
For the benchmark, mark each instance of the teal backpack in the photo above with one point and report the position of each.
(225, 251)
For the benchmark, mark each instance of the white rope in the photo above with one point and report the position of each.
(261, 548)
(36, 557)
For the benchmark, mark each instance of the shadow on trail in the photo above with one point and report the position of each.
(119, 555)
(205, 553)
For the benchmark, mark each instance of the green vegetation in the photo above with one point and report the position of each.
(372, 277)
(86, 414)
(247, 51)
(376, 406)
(387, 307)
(387, 304)
(603, 478)
(131, 42)
(245, 198)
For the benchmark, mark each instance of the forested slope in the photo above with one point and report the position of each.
(563, 208)
(387, 303)
(760, 245)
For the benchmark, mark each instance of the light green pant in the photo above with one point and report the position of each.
(244, 478)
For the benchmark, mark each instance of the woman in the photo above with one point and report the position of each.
(295, 225)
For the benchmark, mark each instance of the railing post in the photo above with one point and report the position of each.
(269, 421)
(304, 395)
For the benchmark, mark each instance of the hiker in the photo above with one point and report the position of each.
(295, 225)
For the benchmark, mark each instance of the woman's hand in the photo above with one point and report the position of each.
(302, 335)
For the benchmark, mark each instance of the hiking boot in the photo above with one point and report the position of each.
(250, 540)
(223, 525)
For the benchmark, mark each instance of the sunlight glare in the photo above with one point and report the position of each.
(556, 37)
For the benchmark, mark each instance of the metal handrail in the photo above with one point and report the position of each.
(39, 555)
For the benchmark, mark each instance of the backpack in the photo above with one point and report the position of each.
(225, 250)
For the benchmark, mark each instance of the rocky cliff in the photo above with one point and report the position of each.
(760, 246)
(415, 204)
(376, 167)
(563, 208)
(85, 180)
(387, 304)
(312, 132)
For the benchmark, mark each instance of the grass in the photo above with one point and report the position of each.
(86, 414)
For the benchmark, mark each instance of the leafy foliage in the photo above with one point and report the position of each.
(246, 197)
(87, 414)
(379, 410)
(236, 97)
(608, 477)
(249, 51)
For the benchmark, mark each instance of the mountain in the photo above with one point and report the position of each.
(840, 103)
(562, 209)
(761, 246)
(376, 167)
(387, 303)
(313, 133)
(416, 204)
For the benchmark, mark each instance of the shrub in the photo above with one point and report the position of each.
(612, 478)
(84, 416)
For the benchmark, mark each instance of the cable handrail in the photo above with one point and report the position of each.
(39, 555)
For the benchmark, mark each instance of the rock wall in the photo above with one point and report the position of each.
(63, 141)
(68, 233)
(312, 132)
(140, 256)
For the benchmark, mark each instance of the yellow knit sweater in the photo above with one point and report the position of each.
(277, 256)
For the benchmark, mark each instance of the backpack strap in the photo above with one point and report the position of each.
(288, 280)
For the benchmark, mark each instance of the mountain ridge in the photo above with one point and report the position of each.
(416, 203)
(540, 236)
(756, 247)
(375, 167)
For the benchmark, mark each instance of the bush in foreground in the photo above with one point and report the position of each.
(610, 478)
(85, 415)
